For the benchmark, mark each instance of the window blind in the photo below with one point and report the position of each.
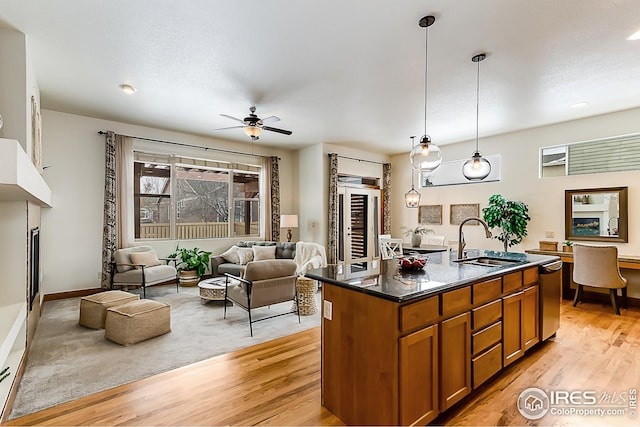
(617, 154)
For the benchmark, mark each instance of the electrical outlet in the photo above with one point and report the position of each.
(549, 234)
(328, 310)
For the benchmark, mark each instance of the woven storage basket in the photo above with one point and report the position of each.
(137, 321)
(93, 308)
(306, 293)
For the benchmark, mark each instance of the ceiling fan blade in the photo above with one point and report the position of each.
(232, 118)
(283, 131)
(231, 127)
(271, 119)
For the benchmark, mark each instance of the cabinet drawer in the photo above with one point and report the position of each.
(418, 314)
(486, 365)
(487, 337)
(511, 282)
(530, 276)
(453, 302)
(487, 291)
(486, 315)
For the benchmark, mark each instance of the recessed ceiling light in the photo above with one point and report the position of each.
(580, 104)
(128, 88)
(634, 36)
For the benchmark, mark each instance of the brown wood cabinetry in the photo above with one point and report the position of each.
(402, 363)
(455, 359)
(419, 377)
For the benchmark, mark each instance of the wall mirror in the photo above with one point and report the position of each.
(597, 214)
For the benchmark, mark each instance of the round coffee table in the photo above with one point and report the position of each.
(212, 289)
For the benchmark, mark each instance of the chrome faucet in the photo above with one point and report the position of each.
(461, 242)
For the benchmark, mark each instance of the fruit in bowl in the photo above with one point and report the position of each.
(411, 263)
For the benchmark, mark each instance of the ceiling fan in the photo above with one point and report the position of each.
(254, 125)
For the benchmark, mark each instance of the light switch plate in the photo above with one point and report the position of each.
(328, 310)
(549, 234)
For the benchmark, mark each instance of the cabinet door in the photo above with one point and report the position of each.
(419, 377)
(530, 321)
(455, 359)
(512, 339)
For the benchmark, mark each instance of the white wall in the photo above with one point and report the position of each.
(520, 158)
(312, 178)
(13, 88)
(71, 240)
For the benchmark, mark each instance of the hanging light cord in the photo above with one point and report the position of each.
(412, 146)
(477, 105)
(426, 68)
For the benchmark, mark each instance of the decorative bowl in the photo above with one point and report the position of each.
(411, 263)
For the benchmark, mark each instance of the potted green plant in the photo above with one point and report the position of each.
(191, 264)
(510, 216)
(416, 234)
(567, 246)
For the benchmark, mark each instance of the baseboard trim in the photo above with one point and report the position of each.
(71, 294)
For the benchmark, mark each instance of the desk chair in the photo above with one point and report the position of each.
(597, 266)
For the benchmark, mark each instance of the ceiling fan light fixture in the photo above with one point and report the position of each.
(426, 157)
(477, 167)
(252, 131)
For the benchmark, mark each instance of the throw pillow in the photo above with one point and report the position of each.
(245, 255)
(231, 255)
(263, 252)
(148, 259)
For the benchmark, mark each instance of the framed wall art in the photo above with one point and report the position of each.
(430, 214)
(463, 211)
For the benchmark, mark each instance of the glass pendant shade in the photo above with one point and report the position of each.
(476, 168)
(412, 198)
(252, 131)
(425, 157)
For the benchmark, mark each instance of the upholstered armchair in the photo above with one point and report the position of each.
(264, 283)
(140, 266)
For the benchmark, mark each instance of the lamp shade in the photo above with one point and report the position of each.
(425, 157)
(252, 131)
(289, 221)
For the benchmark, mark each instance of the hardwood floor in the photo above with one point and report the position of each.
(278, 383)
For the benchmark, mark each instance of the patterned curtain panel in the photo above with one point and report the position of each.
(109, 221)
(386, 198)
(332, 246)
(275, 200)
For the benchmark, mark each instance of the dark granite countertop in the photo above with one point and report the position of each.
(383, 279)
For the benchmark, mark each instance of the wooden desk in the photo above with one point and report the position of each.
(624, 261)
(424, 249)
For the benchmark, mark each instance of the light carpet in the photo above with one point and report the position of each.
(67, 361)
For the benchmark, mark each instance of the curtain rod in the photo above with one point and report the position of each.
(182, 144)
(360, 160)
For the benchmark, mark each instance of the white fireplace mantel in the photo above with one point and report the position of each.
(19, 178)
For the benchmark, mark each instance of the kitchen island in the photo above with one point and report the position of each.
(399, 347)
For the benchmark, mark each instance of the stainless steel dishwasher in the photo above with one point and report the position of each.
(550, 280)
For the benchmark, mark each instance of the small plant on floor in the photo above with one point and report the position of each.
(191, 259)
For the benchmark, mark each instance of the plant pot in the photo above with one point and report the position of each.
(188, 277)
(567, 248)
(416, 240)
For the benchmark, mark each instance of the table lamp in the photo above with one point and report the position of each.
(289, 222)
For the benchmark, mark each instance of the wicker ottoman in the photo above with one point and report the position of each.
(93, 308)
(137, 321)
(306, 293)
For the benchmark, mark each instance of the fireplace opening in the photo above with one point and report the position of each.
(34, 262)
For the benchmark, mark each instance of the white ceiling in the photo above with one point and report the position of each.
(348, 72)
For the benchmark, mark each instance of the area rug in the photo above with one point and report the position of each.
(67, 361)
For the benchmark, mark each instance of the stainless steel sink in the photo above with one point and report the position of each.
(488, 262)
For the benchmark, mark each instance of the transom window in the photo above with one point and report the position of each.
(183, 199)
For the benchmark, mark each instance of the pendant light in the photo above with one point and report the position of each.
(477, 167)
(426, 157)
(412, 197)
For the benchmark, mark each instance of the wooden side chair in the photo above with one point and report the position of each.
(597, 266)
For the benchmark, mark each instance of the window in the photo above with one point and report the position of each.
(182, 198)
(615, 154)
